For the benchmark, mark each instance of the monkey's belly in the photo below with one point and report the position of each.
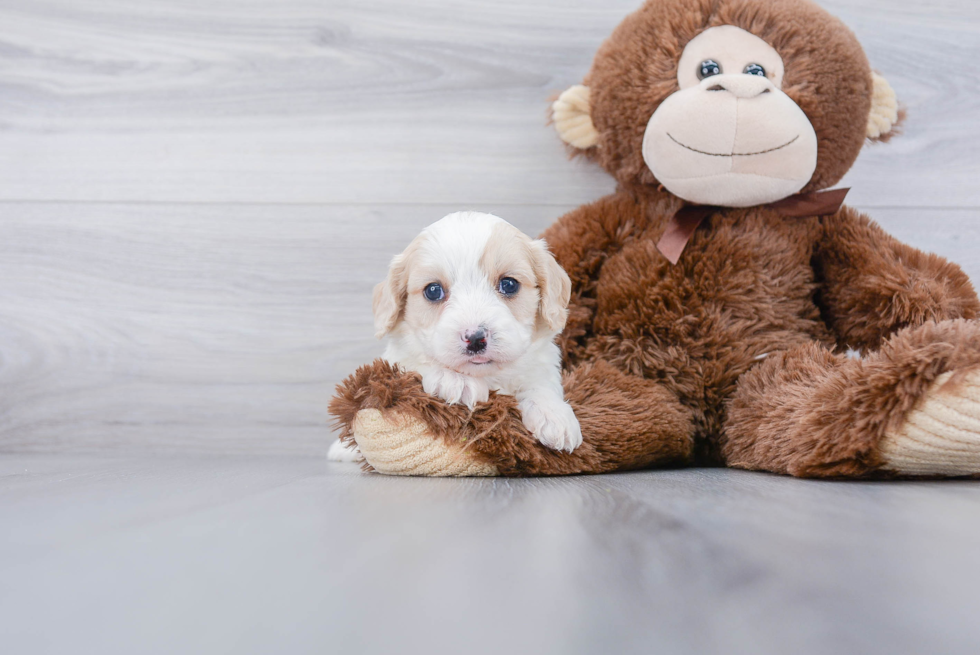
(698, 327)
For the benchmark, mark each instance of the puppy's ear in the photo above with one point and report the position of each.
(554, 286)
(390, 296)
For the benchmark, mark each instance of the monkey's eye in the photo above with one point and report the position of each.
(707, 68)
(434, 292)
(508, 286)
(755, 69)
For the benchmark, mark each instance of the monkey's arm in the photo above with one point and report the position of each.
(581, 240)
(873, 285)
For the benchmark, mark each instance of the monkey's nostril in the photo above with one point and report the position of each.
(717, 87)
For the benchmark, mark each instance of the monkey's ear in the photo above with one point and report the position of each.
(573, 119)
(885, 116)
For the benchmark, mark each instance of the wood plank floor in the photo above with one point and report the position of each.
(260, 555)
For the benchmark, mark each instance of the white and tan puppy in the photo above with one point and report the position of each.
(474, 304)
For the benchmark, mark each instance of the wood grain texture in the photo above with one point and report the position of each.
(189, 327)
(260, 555)
(223, 328)
(348, 101)
(195, 201)
(196, 198)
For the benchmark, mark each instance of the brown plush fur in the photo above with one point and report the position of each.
(651, 427)
(734, 355)
(749, 283)
(873, 285)
(813, 413)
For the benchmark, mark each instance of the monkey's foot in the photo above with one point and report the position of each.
(941, 435)
(396, 445)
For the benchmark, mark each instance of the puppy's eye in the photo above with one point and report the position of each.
(708, 68)
(755, 69)
(434, 292)
(508, 286)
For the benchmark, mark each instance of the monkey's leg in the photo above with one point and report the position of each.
(627, 423)
(912, 408)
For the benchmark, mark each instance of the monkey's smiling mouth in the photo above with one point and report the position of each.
(733, 154)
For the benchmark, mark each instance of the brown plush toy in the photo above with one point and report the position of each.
(715, 294)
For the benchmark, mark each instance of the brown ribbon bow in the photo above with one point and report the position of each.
(687, 219)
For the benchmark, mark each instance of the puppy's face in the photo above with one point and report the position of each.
(473, 293)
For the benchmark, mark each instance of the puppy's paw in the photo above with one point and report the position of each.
(474, 391)
(455, 388)
(340, 452)
(553, 423)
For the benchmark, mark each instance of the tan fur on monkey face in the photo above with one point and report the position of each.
(732, 138)
(825, 73)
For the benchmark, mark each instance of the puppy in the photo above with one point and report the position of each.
(474, 304)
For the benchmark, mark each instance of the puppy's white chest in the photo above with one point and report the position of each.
(505, 384)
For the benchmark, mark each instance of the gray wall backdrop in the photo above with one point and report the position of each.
(197, 197)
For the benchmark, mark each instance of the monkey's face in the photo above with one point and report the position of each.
(728, 102)
(730, 136)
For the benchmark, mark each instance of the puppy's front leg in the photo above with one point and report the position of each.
(549, 418)
(339, 452)
(454, 387)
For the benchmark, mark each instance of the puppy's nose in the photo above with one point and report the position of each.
(476, 341)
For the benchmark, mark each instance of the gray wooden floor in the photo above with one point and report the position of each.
(285, 555)
(195, 201)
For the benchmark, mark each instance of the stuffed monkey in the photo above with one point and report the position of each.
(716, 293)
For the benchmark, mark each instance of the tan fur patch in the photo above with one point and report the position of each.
(555, 287)
(508, 254)
(420, 312)
(884, 109)
(399, 296)
(389, 295)
(570, 113)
